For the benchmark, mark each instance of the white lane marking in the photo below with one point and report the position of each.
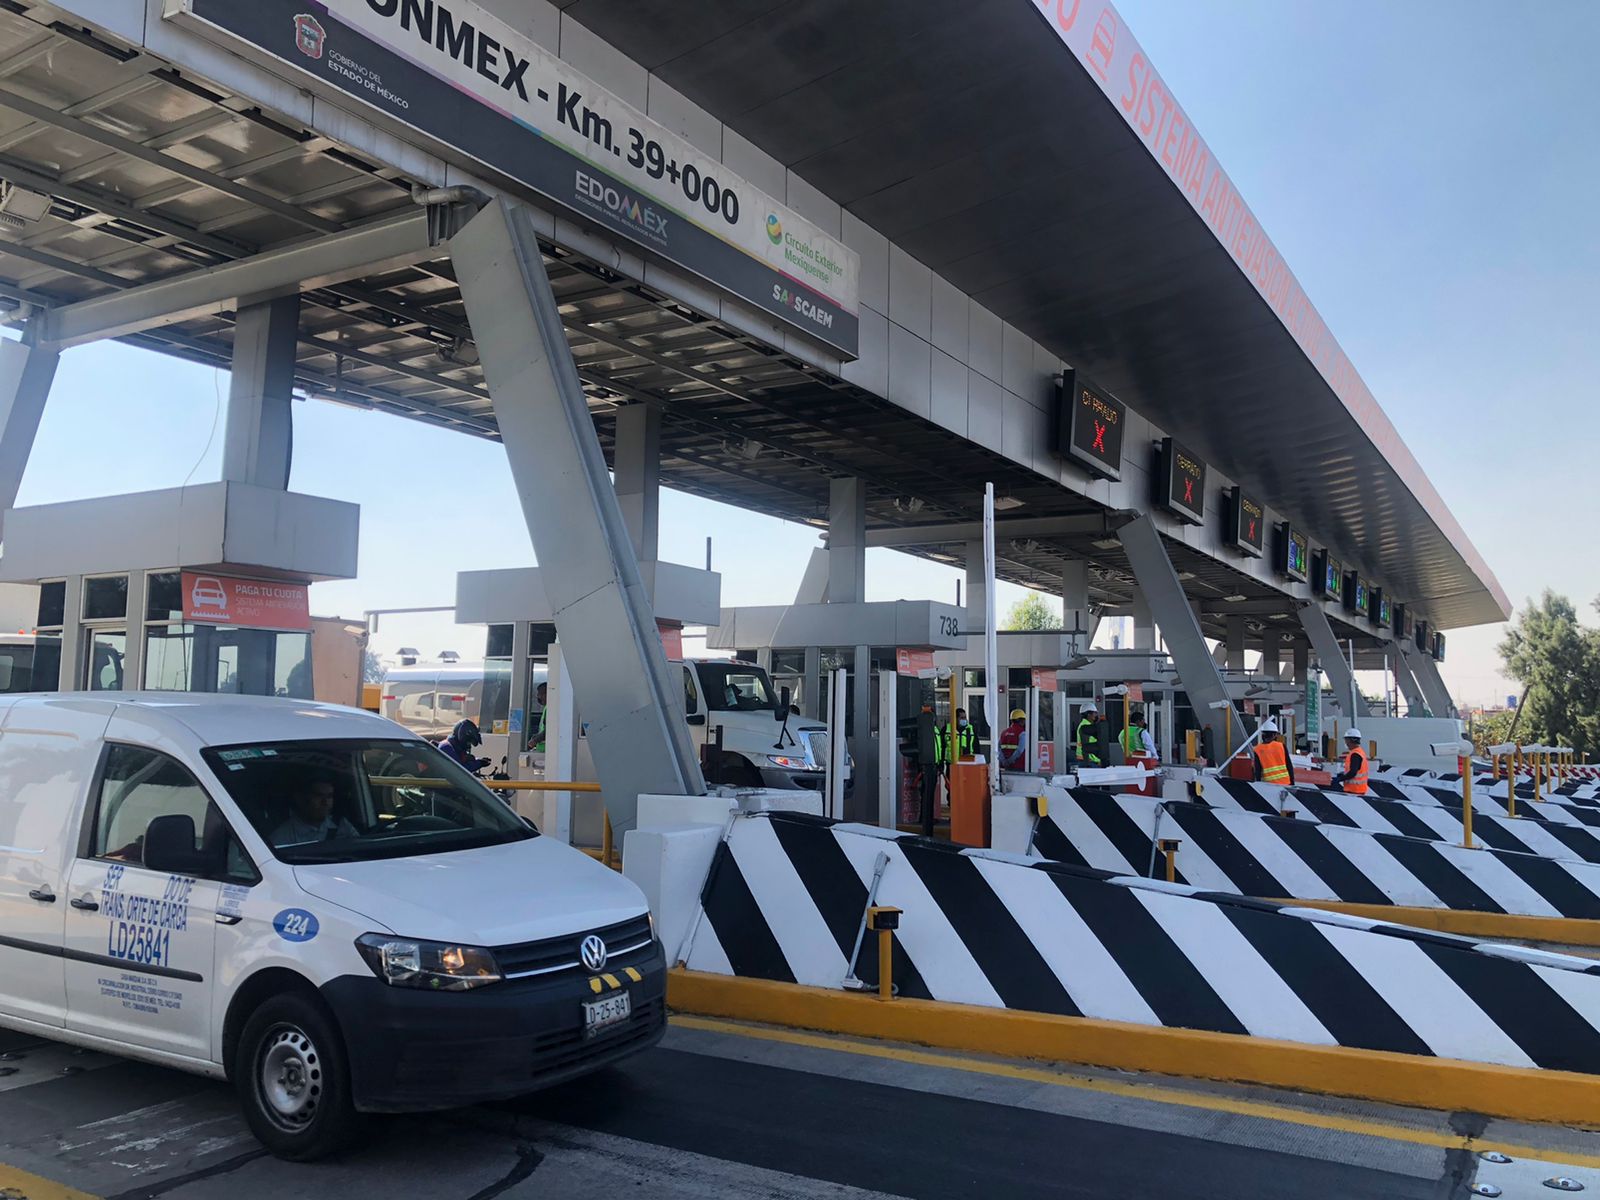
(1427, 999)
(1080, 960)
(1264, 1003)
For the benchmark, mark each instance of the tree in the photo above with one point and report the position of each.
(1032, 612)
(1557, 661)
(372, 668)
(1492, 729)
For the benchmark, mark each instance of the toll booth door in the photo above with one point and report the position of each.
(973, 701)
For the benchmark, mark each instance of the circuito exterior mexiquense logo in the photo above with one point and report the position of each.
(774, 229)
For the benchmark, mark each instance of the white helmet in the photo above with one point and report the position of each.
(1090, 708)
(1352, 735)
(1269, 726)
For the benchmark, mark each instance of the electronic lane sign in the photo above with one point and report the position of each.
(1357, 597)
(1438, 647)
(1180, 481)
(480, 91)
(1091, 424)
(1380, 609)
(1327, 575)
(1292, 553)
(1247, 523)
(1423, 639)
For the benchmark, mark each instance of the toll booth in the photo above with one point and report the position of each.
(1050, 678)
(804, 645)
(202, 588)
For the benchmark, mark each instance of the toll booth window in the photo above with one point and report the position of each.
(105, 598)
(16, 671)
(52, 604)
(105, 652)
(164, 596)
(168, 656)
(291, 663)
(736, 687)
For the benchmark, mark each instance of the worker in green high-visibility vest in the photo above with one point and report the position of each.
(966, 741)
(1136, 739)
(1090, 745)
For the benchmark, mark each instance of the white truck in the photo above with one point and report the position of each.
(750, 736)
(747, 734)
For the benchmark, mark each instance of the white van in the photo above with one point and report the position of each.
(307, 900)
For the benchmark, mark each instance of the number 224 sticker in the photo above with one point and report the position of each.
(295, 925)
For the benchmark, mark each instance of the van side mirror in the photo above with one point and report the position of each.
(695, 719)
(780, 712)
(169, 847)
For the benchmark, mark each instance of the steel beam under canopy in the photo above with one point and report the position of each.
(1426, 672)
(1169, 608)
(1416, 702)
(317, 262)
(630, 698)
(1334, 663)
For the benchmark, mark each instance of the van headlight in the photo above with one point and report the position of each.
(789, 762)
(432, 966)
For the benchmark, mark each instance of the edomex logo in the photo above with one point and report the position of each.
(309, 35)
(774, 229)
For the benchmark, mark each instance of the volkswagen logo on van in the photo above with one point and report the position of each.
(593, 952)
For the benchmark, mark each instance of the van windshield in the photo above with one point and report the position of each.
(352, 800)
(735, 687)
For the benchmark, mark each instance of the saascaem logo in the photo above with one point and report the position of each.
(630, 208)
(309, 35)
(774, 229)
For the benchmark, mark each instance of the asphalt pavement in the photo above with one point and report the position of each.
(727, 1110)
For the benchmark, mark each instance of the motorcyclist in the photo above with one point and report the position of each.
(459, 746)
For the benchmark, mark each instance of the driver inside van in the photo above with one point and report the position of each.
(311, 817)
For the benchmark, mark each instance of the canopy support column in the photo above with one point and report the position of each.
(258, 437)
(1426, 672)
(1334, 663)
(1163, 593)
(26, 373)
(631, 701)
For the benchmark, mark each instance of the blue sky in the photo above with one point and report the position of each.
(1427, 169)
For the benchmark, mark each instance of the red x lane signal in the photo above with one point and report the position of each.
(1099, 437)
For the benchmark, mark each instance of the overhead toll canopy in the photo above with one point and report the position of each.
(164, 170)
(1030, 154)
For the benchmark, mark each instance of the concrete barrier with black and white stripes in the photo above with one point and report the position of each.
(1278, 857)
(1432, 819)
(786, 893)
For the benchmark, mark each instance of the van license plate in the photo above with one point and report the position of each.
(599, 1015)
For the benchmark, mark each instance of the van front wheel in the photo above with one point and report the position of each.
(294, 1081)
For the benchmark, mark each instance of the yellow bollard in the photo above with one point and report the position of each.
(884, 921)
(1466, 801)
(1538, 774)
(1169, 847)
(1513, 770)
